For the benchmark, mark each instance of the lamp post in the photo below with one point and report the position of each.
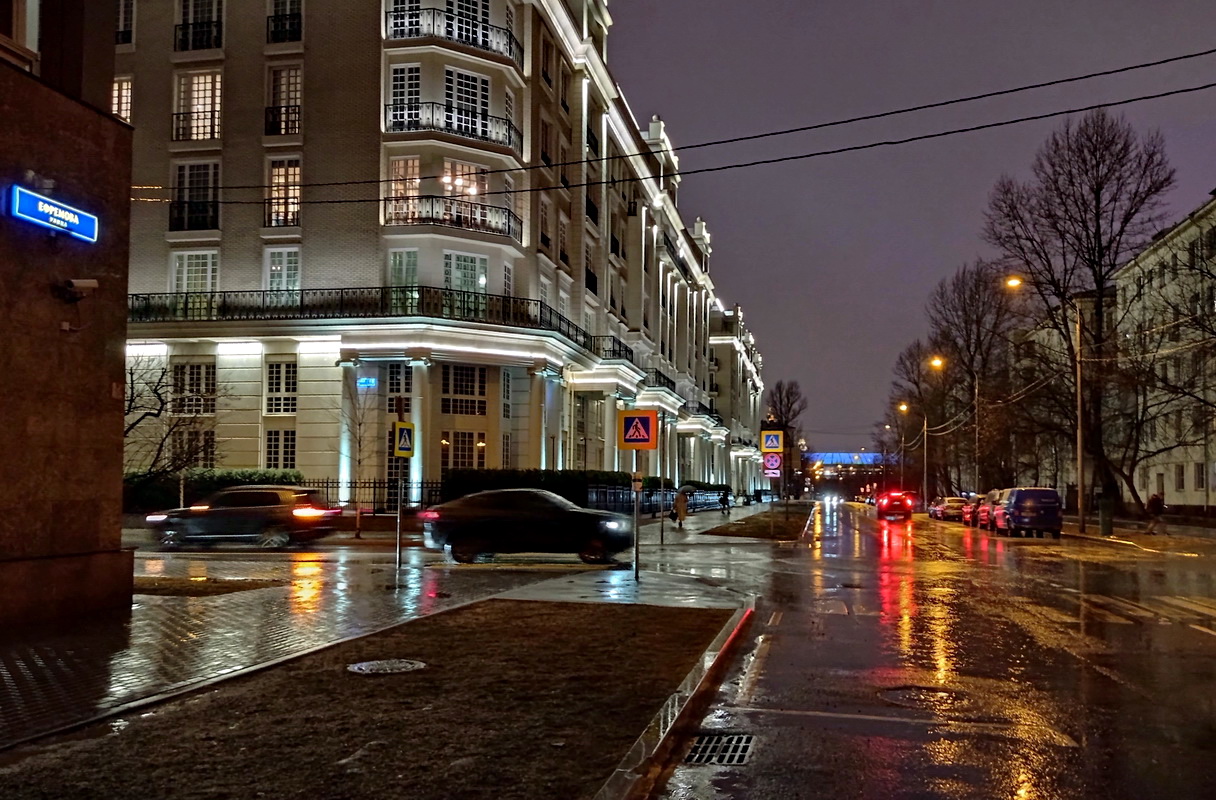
(1013, 283)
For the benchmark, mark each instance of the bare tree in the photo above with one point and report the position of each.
(1094, 200)
(169, 423)
(365, 431)
(786, 405)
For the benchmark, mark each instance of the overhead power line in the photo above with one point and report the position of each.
(802, 128)
(778, 160)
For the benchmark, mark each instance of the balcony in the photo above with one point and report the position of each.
(656, 379)
(591, 281)
(282, 28)
(611, 348)
(439, 24)
(282, 212)
(469, 123)
(191, 126)
(452, 213)
(282, 120)
(194, 215)
(382, 302)
(199, 36)
(706, 411)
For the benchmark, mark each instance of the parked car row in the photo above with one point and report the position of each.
(1022, 511)
(947, 508)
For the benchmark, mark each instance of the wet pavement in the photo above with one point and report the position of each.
(928, 660)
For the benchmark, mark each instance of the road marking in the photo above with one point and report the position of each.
(1164, 608)
(1189, 605)
(1091, 609)
(775, 619)
(1014, 730)
(752, 673)
(1204, 601)
(1123, 606)
(1202, 629)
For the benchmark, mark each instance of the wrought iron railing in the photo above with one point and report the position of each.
(194, 215)
(428, 22)
(190, 125)
(465, 122)
(282, 212)
(284, 28)
(377, 302)
(282, 120)
(199, 35)
(611, 348)
(655, 377)
(452, 213)
(378, 494)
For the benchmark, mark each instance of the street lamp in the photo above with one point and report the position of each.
(1014, 282)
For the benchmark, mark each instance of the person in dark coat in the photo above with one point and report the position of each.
(1155, 508)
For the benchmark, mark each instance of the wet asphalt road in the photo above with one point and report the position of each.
(928, 660)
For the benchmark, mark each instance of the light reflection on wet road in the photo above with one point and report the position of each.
(929, 660)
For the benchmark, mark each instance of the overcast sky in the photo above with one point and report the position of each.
(833, 258)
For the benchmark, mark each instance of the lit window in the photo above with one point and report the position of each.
(120, 99)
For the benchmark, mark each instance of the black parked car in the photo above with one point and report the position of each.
(270, 516)
(524, 521)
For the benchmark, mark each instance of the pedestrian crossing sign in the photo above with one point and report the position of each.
(637, 430)
(772, 441)
(403, 439)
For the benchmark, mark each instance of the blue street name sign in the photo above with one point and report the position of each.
(366, 383)
(47, 213)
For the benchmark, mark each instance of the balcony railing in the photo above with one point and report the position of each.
(282, 120)
(381, 302)
(194, 215)
(282, 212)
(192, 125)
(199, 35)
(452, 213)
(706, 411)
(655, 377)
(284, 28)
(611, 348)
(469, 123)
(434, 22)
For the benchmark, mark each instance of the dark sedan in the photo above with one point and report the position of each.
(524, 521)
(269, 516)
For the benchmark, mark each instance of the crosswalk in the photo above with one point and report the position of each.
(1155, 610)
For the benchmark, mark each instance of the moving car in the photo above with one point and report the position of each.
(524, 521)
(1029, 511)
(894, 505)
(947, 508)
(269, 516)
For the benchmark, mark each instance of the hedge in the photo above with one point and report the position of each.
(140, 494)
(568, 483)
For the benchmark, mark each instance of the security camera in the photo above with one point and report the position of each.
(76, 289)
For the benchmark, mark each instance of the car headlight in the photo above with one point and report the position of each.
(156, 517)
(612, 525)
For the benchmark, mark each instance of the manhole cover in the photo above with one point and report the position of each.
(924, 697)
(388, 666)
(719, 748)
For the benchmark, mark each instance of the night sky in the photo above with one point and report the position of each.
(833, 258)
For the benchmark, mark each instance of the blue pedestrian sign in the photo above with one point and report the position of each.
(638, 430)
(47, 213)
(772, 441)
(403, 439)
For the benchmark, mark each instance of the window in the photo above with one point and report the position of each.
(404, 19)
(461, 450)
(467, 103)
(506, 394)
(194, 448)
(508, 283)
(195, 271)
(546, 61)
(464, 272)
(283, 269)
(1201, 476)
(562, 225)
(283, 108)
(545, 137)
(460, 386)
(285, 23)
(462, 178)
(400, 379)
(545, 217)
(563, 304)
(281, 449)
(281, 387)
(283, 204)
(403, 267)
(405, 95)
(195, 205)
(194, 388)
(201, 25)
(198, 106)
(401, 206)
(125, 31)
(1180, 477)
(481, 451)
(507, 460)
(120, 98)
(589, 320)
(545, 290)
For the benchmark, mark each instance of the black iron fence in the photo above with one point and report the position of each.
(284, 28)
(656, 377)
(426, 22)
(282, 120)
(611, 348)
(194, 215)
(452, 213)
(194, 125)
(199, 35)
(467, 122)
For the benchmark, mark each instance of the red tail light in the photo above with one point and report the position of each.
(308, 512)
(428, 516)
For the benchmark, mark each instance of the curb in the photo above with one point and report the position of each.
(1129, 543)
(637, 773)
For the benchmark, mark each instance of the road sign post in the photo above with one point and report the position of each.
(637, 503)
(638, 429)
(403, 447)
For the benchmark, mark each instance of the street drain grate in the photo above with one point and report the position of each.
(388, 666)
(717, 748)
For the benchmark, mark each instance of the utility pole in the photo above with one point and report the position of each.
(1080, 431)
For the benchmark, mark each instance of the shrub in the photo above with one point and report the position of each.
(568, 483)
(140, 494)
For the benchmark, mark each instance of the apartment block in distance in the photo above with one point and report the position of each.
(352, 210)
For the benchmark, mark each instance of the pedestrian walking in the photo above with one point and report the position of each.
(680, 508)
(1155, 508)
(724, 502)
